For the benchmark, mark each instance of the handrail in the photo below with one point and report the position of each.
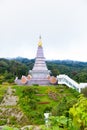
(64, 79)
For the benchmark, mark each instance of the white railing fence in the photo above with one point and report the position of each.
(64, 79)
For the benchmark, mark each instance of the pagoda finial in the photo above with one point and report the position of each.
(40, 37)
(40, 42)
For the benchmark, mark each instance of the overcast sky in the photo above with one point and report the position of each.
(61, 23)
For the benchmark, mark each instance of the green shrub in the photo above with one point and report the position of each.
(9, 128)
(13, 120)
(3, 121)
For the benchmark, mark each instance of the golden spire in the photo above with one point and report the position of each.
(40, 42)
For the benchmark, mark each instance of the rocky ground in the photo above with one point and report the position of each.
(9, 99)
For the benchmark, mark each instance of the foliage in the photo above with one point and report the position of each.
(9, 69)
(78, 113)
(13, 120)
(76, 70)
(77, 119)
(63, 107)
(3, 121)
(3, 89)
(9, 128)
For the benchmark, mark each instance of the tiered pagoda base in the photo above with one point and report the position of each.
(34, 82)
(39, 82)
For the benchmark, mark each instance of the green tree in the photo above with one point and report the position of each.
(81, 76)
(78, 113)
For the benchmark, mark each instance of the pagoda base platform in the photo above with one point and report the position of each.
(39, 82)
(34, 82)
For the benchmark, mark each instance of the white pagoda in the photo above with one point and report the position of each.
(39, 74)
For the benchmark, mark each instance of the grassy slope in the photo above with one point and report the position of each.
(35, 100)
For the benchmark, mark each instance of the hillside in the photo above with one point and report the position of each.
(22, 105)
